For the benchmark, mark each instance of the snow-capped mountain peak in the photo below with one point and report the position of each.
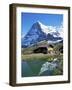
(39, 32)
(44, 28)
(47, 29)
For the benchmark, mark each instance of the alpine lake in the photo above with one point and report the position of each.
(41, 65)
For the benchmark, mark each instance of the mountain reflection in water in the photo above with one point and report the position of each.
(41, 68)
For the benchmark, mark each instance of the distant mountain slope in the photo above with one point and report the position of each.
(39, 32)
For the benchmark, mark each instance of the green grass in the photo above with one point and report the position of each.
(41, 56)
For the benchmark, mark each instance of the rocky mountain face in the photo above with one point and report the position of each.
(39, 32)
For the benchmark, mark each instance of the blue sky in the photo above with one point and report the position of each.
(28, 19)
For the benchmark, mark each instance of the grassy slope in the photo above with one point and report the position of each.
(30, 49)
(41, 57)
